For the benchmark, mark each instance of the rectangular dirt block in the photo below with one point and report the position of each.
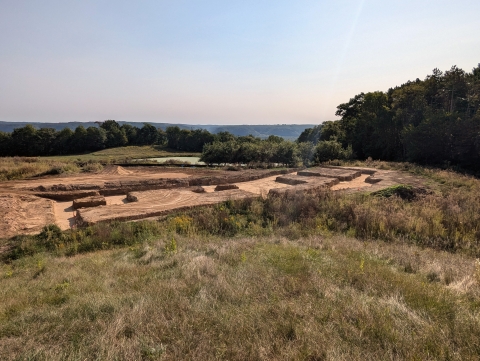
(89, 202)
(224, 187)
(292, 180)
(342, 174)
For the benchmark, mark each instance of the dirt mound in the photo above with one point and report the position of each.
(116, 169)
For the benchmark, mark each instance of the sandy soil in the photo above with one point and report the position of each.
(259, 186)
(65, 214)
(356, 183)
(24, 214)
(155, 203)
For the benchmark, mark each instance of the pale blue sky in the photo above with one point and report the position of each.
(220, 62)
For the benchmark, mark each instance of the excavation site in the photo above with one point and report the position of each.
(133, 193)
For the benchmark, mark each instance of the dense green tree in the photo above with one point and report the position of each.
(161, 137)
(306, 153)
(173, 137)
(116, 136)
(311, 135)
(5, 144)
(25, 141)
(95, 139)
(45, 141)
(147, 135)
(130, 133)
(63, 142)
(79, 142)
(330, 150)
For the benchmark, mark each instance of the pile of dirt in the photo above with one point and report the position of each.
(116, 169)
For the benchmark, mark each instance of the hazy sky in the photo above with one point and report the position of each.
(220, 62)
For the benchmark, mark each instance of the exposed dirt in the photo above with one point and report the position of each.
(358, 183)
(156, 203)
(24, 214)
(144, 192)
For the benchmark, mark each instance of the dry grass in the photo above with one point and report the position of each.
(24, 167)
(268, 299)
(122, 154)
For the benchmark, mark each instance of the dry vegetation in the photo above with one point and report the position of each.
(125, 154)
(324, 276)
(24, 167)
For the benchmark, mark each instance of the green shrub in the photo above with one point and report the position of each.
(331, 149)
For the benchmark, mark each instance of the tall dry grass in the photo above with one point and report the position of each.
(12, 168)
(316, 298)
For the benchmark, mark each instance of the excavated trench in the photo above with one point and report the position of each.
(130, 196)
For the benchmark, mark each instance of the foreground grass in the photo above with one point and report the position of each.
(319, 298)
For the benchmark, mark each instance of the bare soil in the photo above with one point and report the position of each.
(24, 214)
(25, 207)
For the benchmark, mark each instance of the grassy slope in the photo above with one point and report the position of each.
(121, 153)
(231, 282)
(25, 167)
(311, 299)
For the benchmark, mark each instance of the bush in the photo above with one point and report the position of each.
(331, 149)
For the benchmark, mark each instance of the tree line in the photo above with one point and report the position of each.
(218, 148)
(29, 141)
(432, 121)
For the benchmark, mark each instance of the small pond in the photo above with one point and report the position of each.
(191, 160)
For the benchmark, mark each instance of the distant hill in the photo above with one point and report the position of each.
(287, 131)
